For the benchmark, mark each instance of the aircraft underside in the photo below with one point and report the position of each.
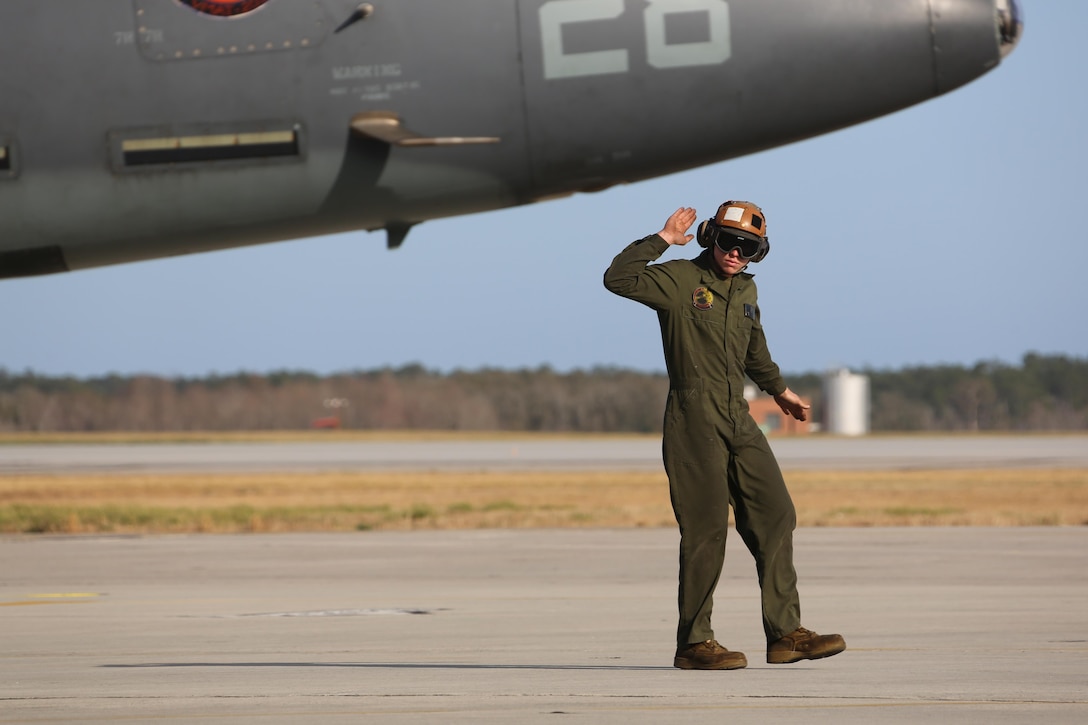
(169, 127)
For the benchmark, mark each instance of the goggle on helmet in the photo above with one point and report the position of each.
(738, 225)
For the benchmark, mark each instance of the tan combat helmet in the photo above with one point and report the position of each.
(738, 225)
(743, 215)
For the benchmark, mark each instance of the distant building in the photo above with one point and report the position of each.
(846, 403)
(770, 418)
(331, 422)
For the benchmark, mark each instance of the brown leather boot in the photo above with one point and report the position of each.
(803, 644)
(708, 655)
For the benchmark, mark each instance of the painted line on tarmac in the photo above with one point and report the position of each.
(53, 598)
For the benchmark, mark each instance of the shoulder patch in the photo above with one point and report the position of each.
(702, 298)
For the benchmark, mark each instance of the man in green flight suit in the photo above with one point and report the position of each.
(714, 453)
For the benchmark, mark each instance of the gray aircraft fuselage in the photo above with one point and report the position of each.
(137, 129)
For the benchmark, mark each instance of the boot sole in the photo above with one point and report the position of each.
(686, 664)
(786, 658)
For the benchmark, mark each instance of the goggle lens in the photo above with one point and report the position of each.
(726, 242)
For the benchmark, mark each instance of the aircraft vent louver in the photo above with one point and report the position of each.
(220, 147)
(142, 149)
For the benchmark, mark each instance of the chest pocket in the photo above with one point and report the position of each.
(741, 331)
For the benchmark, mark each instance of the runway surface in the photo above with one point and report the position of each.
(542, 453)
(943, 625)
(545, 626)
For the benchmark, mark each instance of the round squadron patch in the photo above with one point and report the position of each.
(224, 8)
(702, 298)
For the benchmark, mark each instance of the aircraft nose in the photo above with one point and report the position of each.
(971, 37)
(1010, 25)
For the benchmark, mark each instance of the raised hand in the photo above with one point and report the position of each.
(677, 225)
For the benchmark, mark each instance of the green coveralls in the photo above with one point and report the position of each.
(714, 453)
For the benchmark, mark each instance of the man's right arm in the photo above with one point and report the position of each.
(630, 275)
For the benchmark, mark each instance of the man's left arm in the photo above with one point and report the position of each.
(791, 404)
(765, 373)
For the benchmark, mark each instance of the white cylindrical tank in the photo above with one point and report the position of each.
(847, 399)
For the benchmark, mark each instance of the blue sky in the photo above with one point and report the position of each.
(966, 244)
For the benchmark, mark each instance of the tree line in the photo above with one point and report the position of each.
(1041, 393)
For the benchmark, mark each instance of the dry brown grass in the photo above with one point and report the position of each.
(140, 503)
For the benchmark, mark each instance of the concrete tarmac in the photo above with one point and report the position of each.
(541, 453)
(945, 625)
